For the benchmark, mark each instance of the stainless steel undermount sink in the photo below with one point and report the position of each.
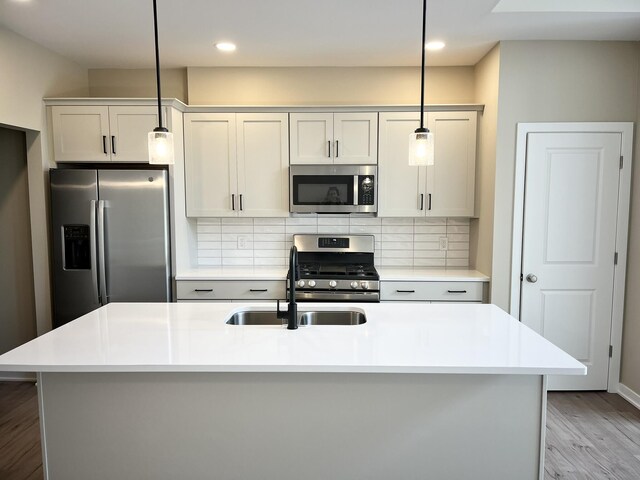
(319, 317)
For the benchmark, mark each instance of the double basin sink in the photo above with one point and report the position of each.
(319, 317)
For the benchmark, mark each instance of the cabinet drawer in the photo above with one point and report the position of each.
(431, 291)
(230, 290)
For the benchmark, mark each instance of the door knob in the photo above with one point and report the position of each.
(531, 278)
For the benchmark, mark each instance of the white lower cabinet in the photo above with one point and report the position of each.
(229, 290)
(412, 291)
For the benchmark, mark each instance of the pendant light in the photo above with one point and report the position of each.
(421, 147)
(161, 139)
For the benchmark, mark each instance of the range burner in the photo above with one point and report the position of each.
(336, 268)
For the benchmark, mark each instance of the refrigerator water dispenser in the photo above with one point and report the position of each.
(77, 247)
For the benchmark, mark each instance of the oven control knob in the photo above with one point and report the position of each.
(333, 284)
(301, 283)
(365, 285)
(312, 283)
(354, 284)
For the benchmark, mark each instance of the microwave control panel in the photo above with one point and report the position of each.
(366, 192)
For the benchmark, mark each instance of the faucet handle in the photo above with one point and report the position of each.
(279, 314)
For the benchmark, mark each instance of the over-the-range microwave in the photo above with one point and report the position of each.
(333, 189)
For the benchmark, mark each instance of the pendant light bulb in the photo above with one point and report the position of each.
(161, 147)
(421, 148)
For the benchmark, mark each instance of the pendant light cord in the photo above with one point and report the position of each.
(424, 38)
(155, 28)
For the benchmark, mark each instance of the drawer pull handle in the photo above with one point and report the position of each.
(258, 290)
(457, 291)
(406, 291)
(204, 289)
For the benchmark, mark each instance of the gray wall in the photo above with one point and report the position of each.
(487, 83)
(17, 306)
(566, 82)
(630, 367)
(32, 72)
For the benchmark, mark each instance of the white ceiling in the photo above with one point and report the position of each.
(119, 33)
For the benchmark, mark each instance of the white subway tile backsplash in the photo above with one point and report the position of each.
(333, 229)
(398, 241)
(237, 229)
(457, 262)
(239, 262)
(293, 229)
(324, 220)
(397, 228)
(210, 262)
(365, 229)
(431, 229)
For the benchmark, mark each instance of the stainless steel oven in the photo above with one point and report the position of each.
(336, 269)
(333, 189)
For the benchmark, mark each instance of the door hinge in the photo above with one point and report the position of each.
(621, 162)
(521, 277)
(610, 351)
(615, 258)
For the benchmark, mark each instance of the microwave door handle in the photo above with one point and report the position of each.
(355, 189)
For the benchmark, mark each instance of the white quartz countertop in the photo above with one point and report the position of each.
(193, 337)
(386, 273)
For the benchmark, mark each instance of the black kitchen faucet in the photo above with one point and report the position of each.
(292, 310)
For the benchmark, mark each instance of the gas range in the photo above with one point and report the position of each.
(336, 268)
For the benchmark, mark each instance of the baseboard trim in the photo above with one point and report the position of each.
(629, 395)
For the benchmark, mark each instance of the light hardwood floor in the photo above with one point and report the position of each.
(590, 435)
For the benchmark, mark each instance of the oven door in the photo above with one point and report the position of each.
(327, 188)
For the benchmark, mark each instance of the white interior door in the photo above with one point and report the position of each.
(569, 242)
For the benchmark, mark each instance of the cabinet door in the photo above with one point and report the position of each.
(401, 188)
(80, 133)
(129, 128)
(451, 180)
(355, 138)
(311, 138)
(263, 161)
(210, 164)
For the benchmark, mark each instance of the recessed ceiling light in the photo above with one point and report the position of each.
(435, 45)
(226, 46)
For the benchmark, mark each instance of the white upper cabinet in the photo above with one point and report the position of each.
(102, 133)
(236, 164)
(326, 138)
(445, 189)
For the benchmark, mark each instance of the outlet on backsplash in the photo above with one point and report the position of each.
(242, 242)
(444, 244)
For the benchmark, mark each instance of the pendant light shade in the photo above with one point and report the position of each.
(421, 148)
(160, 139)
(421, 142)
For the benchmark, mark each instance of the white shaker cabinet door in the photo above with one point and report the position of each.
(401, 190)
(263, 161)
(210, 164)
(80, 133)
(451, 180)
(311, 138)
(129, 128)
(355, 138)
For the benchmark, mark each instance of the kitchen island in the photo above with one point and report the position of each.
(171, 391)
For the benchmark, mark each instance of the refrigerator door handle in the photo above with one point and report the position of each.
(92, 249)
(102, 264)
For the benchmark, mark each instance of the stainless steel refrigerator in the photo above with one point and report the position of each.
(110, 233)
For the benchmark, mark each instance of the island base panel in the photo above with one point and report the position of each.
(290, 426)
